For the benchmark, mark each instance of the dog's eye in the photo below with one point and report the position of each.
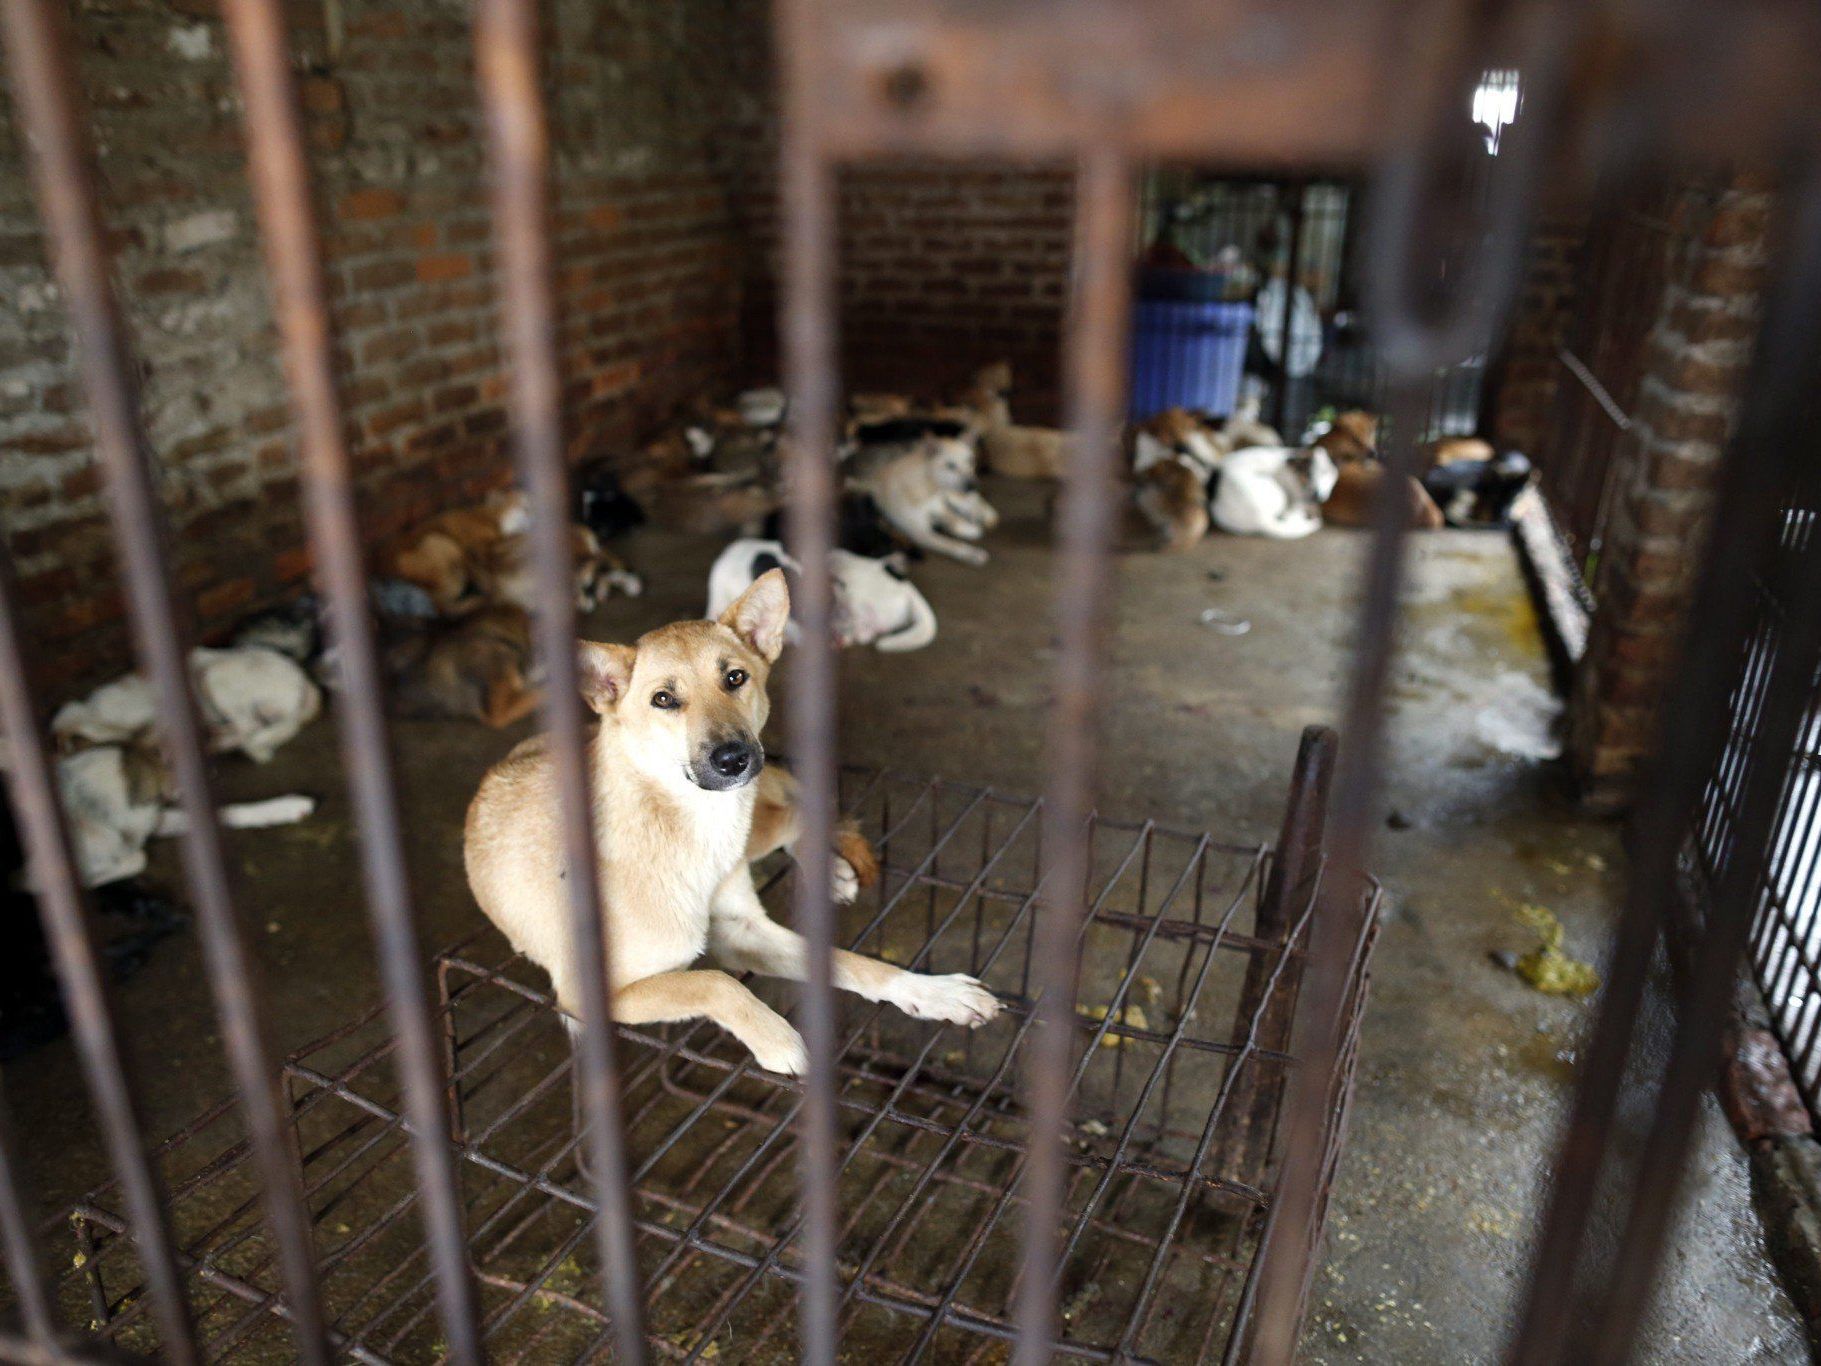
(665, 701)
(736, 678)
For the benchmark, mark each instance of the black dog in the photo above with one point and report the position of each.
(902, 431)
(1479, 493)
(860, 529)
(602, 505)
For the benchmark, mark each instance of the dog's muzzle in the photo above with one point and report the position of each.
(730, 764)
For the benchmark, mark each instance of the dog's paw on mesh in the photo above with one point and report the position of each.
(780, 1049)
(954, 999)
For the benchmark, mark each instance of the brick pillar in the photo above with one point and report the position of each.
(1693, 365)
(1527, 367)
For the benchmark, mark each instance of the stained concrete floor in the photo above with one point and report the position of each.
(1464, 1071)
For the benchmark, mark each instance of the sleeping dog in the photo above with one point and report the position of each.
(927, 490)
(875, 602)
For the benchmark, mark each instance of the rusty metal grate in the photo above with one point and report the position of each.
(1194, 953)
(1609, 90)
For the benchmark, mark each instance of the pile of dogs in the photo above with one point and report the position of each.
(1191, 472)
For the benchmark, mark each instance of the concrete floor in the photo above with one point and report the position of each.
(1464, 1070)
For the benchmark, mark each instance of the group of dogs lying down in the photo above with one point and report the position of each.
(1191, 472)
(453, 608)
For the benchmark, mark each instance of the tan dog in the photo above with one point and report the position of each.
(1357, 487)
(446, 558)
(1352, 437)
(674, 763)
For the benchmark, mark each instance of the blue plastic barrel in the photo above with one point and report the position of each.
(1186, 353)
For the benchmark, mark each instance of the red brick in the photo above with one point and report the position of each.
(448, 266)
(375, 202)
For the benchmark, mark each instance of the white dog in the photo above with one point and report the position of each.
(929, 492)
(875, 603)
(1274, 491)
(253, 699)
(116, 800)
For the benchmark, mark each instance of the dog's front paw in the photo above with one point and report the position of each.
(778, 1048)
(844, 882)
(954, 999)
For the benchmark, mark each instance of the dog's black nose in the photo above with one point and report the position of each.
(731, 759)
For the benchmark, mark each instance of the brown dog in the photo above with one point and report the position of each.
(446, 559)
(476, 668)
(1173, 498)
(1352, 438)
(1357, 487)
(675, 763)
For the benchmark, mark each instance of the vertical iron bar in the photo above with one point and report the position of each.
(62, 907)
(1292, 267)
(1096, 350)
(16, 1238)
(506, 45)
(1754, 475)
(43, 84)
(281, 192)
(1267, 1005)
(807, 337)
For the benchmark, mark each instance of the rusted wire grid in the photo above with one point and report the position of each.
(491, 1042)
(506, 54)
(665, 1143)
(520, 1016)
(61, 163)
(909, 1205)
(724, 1065)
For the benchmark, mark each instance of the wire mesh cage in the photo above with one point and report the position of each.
(1180, 1057)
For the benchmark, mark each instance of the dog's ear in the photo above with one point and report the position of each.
(758, 616)
(604, 671)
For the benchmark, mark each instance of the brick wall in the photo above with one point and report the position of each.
(649, 249)
(1693, 364)
(1527, 369)
(944, 267)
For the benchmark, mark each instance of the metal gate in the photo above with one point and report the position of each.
(1306, 229)
(1108, 86)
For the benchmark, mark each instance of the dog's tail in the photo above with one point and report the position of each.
(851, 845)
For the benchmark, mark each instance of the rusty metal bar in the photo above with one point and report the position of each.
(45, 89)
(1096, 377)
(1755, 473)
(280, 177)
(806, 324)
(1286, 327)
(1295, 866)
(507, 44)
